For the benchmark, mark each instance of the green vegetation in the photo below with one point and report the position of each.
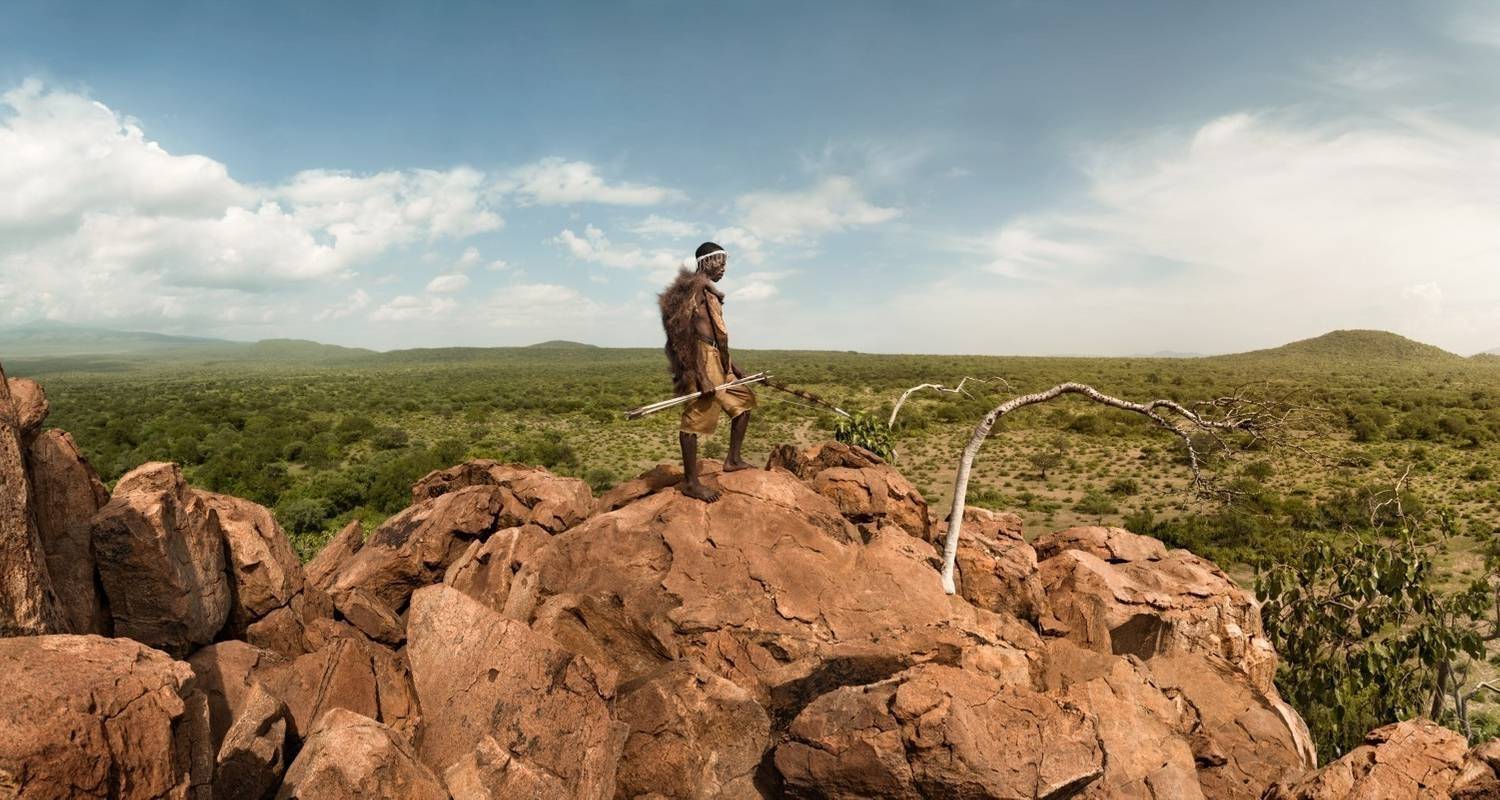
(325, 435)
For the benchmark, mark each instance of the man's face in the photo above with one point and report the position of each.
(714, 266)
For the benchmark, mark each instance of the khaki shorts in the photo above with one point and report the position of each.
(701, 416)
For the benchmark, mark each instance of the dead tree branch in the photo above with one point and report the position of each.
(959, 389)
(1227, 423)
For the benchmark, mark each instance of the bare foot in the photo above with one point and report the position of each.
(736, 465)
(700, 491)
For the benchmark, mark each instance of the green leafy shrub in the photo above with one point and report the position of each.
(864, 430)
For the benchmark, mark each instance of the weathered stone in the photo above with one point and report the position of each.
(1114, 545)
(226, 673)
(31, 406)
(285, 630)
(413, 549)
(936, 731)
(1479, 776)
(264, 573)
(1176, 603)
(348, 756)
(487, 569)
(693, 736)
(160, 554)
(1242, 739)
(1413, 760)
(85, 716)
(67, 493)
(253, 755)
(656, 479)
(489, 771)
(321, 571)
(28, 605)
(1141, 731)
(867, 490)
(348, 672)
(531, 494)
(477, 673)
(997, 569)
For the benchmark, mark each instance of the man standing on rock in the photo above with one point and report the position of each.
(698, 355)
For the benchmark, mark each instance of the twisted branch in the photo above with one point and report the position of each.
(959, 389)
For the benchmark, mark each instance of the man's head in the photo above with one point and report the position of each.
(711, 260)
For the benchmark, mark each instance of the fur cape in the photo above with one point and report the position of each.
(678, 303)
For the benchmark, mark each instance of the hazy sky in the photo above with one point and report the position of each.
(998, 177)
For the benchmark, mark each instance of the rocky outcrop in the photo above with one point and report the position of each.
(252, 757)
(352, 757)
(936, 731)
(1412, 760)
(30, 404)
(160, 551)
(996, 568)
(480, 674)
(1116, 592)
(487, 570)
(528, 494)
(264, 573)
(348, 672)
(85, 716)
(67, 493)
(321, 571)
(867, 490)
(28, 605)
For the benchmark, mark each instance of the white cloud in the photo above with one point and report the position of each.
(756, 286)
(534, 304)
(1283, 225)
(595, 247)
(555, 181)
(740, 243)
(1374, 72)
(834, 204)
(406, 308)
(498, 265)
(469, 258)
(351, 305)
(445, 284)
(657, 225)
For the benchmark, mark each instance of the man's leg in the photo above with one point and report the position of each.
(737, 428)
(690, 484)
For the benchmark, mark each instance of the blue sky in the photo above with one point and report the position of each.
(992, 177)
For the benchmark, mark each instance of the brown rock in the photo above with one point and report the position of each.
(31, 406)
(160, 551)
(936, 731)
(489, 771)
(769, 588)
(1114, 545)
(85, 716)
(28, 605)
(1479, 776)
(656, 479)
(352, 757)
(478, 673)
(1242, 739)
(867, 490)
(413, 549)
(227, 673)
(1146, 752)
(264, 572)
(67, 493)
(530, 494)
(348, 672)
(1176, 603)
(253, 755)
(487, 569)
(997, 569)
(285, 630)
(693, 735)
(323, 568)
(1413, 760)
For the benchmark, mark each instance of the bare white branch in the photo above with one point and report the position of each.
(959, 389)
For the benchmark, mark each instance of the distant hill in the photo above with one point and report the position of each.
(1356, 345)
(303, 349)
(563, 344)
(59, 339)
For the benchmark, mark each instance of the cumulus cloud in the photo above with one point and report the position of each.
(594, 246)
(1280, 224)
(407, 308)
(351, 305)
(533, 304)
(665, 227)
(556, 181)
(834, 204)
(445, 284)
(756, 286)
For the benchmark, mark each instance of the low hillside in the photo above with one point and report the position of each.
(1355, 346)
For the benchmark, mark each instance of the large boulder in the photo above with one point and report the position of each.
(85, 716)
(160, 551)
(227, 673)
(31, 406)
(252, 758)
(1412, 760)
(867, 490)
(1116, 592)
(28, 604)
(478, 673)
(996, 568)
(348, 672)
(530, 494)
(413, 549)
(936, 731)
(323, 569)
(264, 572)
(693, 736)
(348, 756)
(770, 588)
(486, 571)
(67, 493)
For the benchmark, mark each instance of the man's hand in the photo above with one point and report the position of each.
(705, 385)
(735, 371)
